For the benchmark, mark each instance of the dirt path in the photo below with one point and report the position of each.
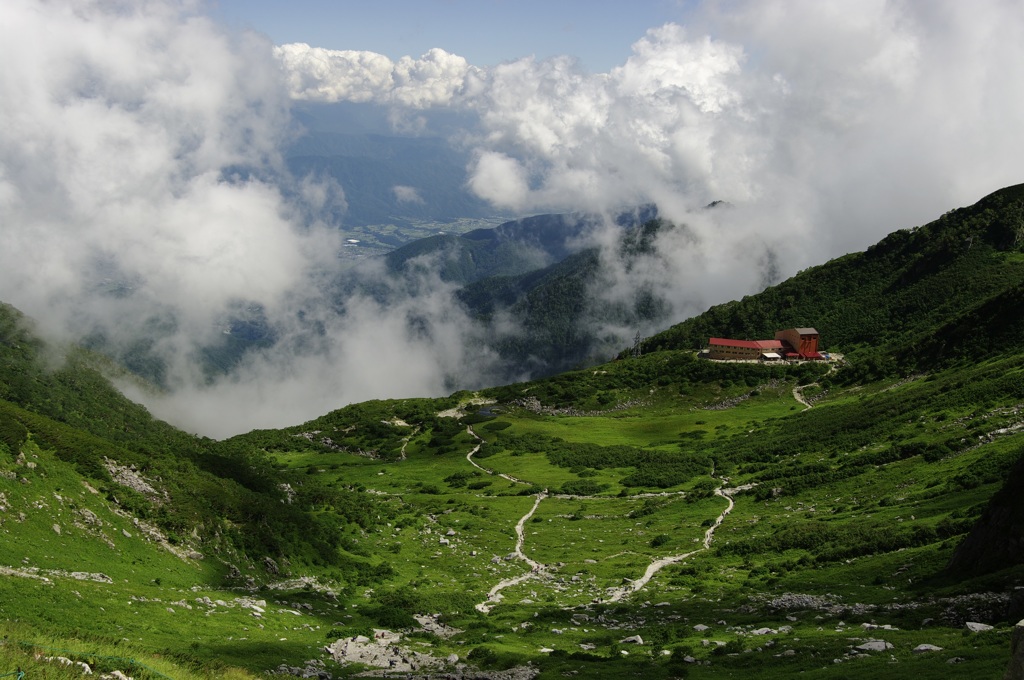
(469, 457)
(798, 394)
(536, 568)
(616, 594)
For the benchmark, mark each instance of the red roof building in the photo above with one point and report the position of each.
(792, 343)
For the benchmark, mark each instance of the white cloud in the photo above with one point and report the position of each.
(318, 74)
(404, 194)
(500, 179)
(910, 107)
(143, 197)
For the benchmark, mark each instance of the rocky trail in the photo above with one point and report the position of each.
(613, 594)
(469, 457)
(536, 568)
(798, 394)
(616, 594)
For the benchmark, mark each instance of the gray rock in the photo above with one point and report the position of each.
(1015, 671)
(921, 649)
(700, 628)
(632, 639)
(874, 646)
(976, 627)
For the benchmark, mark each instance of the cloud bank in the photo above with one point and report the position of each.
(825, 125)
(145, 207)
(869, 115)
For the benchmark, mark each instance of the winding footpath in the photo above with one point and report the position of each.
(798, 394)
(654, 567)
(614, 594)
(536, 568)
(469, 457)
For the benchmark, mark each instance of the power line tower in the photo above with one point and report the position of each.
(636, 346)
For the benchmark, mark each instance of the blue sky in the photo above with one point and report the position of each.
(486, 32)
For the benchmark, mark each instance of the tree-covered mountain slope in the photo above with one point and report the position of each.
(943, 291)
(514, 248)
(553, 319)
(659, 516)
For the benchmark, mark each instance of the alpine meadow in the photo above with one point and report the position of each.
(599, 340)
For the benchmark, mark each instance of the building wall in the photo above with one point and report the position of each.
(804, 344)
(725, 352)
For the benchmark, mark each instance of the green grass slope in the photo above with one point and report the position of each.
(908, 300)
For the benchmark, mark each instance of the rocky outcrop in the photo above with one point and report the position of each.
(997, 540)
(1015, 671)
(383, 652)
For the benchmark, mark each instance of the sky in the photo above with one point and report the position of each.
(144, 196)
(486, 32)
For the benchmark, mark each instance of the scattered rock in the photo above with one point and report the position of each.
(1015, 671)
(921, 649)
(874, 646)
(382, 652)
(632, 640)
(976, 627)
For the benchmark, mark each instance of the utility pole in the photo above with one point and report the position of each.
(636, 346)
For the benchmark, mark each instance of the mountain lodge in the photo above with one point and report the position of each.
(792, 344)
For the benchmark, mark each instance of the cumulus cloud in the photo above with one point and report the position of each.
(318, 74)
(404, 194)
(871, 114)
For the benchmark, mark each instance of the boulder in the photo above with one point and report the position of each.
(976, 627)
(874, 646)
(1015, 671)
(921, 649)
(632, 640)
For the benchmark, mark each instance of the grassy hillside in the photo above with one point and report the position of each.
(661, 516)
(908, 299)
